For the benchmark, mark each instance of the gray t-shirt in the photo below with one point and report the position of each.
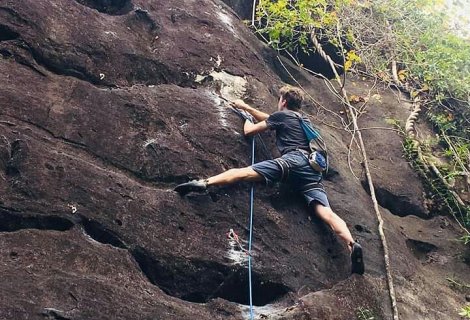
(289, 133)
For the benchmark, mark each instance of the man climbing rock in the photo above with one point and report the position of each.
(292, 167)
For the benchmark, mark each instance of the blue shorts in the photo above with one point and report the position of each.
(301, 175)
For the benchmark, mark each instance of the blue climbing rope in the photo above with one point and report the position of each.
(252, 194)
(248, 117)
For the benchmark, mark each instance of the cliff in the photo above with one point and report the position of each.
(106, 105)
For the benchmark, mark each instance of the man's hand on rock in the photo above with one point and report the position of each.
(240, 104)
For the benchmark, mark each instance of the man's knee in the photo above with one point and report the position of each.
(249, 174)
(239, 173)
(324, 213)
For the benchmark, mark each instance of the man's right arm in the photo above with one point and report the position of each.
(258, 115)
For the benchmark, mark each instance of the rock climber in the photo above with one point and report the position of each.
(292, 167)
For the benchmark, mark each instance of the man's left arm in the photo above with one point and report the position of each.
(253, 128)
(257, 114)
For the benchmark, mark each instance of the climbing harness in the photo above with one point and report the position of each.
(284, 165)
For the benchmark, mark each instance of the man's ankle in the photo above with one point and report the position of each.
(351, 245)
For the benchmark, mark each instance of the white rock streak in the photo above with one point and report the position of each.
(221, 109)
(231, 88)
(236, 255)
(227, 21)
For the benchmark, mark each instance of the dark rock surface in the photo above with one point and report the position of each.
(103, 111)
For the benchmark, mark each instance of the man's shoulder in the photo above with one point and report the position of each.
(289, 114)
(276, 120)
(277, 115)
(284, 113)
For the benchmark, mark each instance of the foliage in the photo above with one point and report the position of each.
(441, 63)
(465, 239)
(465, 312)
(351, 58)
(288, 23)
(365, 314)
(373, 36)
(432, 62)
(439, 196)
(410, 32)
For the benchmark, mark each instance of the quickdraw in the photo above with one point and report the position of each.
(231, 235)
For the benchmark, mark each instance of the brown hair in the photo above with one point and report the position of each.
(293, 96)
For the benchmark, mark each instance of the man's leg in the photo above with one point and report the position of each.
(234, 175)
(335, 222)
(341, 229)
(224, 178)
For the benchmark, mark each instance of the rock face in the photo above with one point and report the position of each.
(106, 105)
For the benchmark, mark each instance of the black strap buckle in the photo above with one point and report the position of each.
(284, 169)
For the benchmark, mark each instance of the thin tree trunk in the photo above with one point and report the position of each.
(352, 113)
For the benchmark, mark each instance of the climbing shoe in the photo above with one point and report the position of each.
(193, 185)
(357, 262)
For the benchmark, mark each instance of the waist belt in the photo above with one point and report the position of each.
(312, 186)
(284, 168)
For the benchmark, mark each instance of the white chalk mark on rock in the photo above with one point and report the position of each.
(231, 87)
(73, 208)
(149, 142)
(221, 108)
(227, 21)
(236, 255)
